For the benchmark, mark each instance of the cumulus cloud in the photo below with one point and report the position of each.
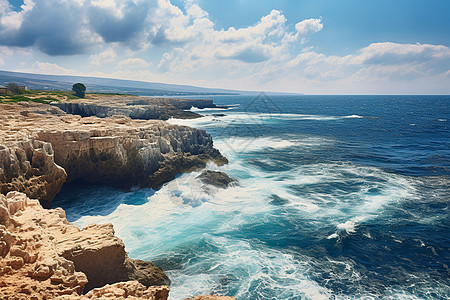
(185, 46)
(61, 32)
(4, 53)
(63, 27)
(48, 68)
(133, 64)
(74, 27)
(106, 56)
(264, 41)
(309, 26)
(392, 53)
(378, 60)
(118, 22)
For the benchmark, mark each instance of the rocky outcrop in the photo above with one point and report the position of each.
(216, 178)
(145, 273)
(28, 165)
(30, 265)
(128, 290)
(97, 243)
(43, 256)
(146, 108)
(40, 146)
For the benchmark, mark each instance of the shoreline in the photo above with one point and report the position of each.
(38, 160)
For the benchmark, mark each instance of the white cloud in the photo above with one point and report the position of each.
(48, 68)
(226, 48)
(309, 26)
(4, 53)
(187, 47)
(12, 20)
(133, 64)
(106, 56)
(392, 53)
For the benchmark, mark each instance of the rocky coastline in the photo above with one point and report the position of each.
(43, 256)
(135, 107)
(42, 147)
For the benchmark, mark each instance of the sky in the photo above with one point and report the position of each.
(310, 47)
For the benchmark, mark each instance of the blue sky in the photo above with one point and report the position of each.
(349, 24)
(312, 47)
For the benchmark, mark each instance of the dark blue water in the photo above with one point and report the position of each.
(339, 197)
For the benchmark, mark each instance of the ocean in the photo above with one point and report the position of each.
(338, 197)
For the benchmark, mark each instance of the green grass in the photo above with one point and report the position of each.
(38, 96)
(43, 96)
(68, 94)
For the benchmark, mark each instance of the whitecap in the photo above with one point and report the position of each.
(196, 109)
(348, 227)
(333, 236)
(250, 118)
(353, 117)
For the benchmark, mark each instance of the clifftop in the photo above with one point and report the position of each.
(41, 147)
(135, 107)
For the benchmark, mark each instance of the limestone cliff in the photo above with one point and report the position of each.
(43, 256)
(135, 107)
(41, 147)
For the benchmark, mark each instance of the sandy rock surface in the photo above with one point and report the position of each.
(43, 256)
(41, 147)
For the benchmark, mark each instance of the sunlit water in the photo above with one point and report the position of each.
(339, 197)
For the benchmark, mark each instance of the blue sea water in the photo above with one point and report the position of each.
(339, 197)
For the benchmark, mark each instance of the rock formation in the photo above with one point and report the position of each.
(97, 243)
(128, 290)
(40, 146)
(43, 256)
(216, 178)
(135, 107)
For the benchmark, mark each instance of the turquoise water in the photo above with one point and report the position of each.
(339, 197)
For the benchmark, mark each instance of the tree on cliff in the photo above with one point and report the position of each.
(79, 89)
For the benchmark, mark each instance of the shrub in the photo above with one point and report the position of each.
(79, 89)
(14, 88)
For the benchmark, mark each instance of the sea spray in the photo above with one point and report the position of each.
(336, 199)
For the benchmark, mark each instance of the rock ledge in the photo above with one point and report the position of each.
(43, 256)
(41, 147)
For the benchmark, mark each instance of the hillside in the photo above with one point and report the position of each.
(106, 85)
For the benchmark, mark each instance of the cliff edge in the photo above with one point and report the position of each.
(43, 256)
(41, 147)
(135, 107)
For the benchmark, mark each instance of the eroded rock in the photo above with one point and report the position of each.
(30, 266)
(135, 107)
(40, 151)
(43, 256)
(128, 290)
(216, 178)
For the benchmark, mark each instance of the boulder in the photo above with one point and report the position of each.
(216, 178)
(43, 256)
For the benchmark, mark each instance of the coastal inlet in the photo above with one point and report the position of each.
(42, 148)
